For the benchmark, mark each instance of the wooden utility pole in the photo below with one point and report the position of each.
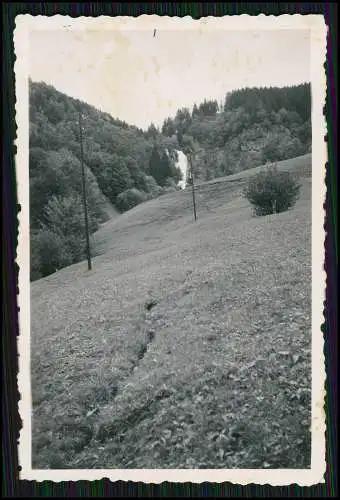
(192, 184)
(88, 253)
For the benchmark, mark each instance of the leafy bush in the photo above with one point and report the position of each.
(49, 252)
(272, 191)
(150, 186)
(170, 183)
(60, 241)
(129, 199)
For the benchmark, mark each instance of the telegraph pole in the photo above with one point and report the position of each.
(192, 185)
(88, 253)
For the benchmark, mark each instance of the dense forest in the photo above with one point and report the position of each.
(254, 126)
(125, 165)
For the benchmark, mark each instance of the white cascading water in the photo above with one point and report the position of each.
(182, 164)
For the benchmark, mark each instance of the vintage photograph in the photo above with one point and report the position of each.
(171, 178)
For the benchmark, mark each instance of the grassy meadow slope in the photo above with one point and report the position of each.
(215, 374)
(125, 165)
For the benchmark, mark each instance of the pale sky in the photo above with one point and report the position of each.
(140, 79)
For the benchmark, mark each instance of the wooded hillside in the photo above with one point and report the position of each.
(254, 126)
(125, 165)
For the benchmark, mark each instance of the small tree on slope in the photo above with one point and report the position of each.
(272, 191)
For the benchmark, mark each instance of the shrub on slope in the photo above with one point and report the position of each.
(272, 191)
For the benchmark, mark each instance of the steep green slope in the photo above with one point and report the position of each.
(126, 166)
(177, 208)
(216, 374)
(117, 162)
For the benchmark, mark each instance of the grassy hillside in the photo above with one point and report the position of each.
(116, 160)
(213, 373)
(125, 166)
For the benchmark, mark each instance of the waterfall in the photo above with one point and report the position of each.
(182, 164)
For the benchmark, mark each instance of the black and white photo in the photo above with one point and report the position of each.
(171, 246)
